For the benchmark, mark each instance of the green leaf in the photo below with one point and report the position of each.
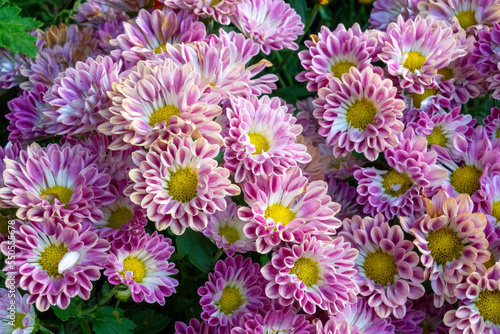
(72, 310)
(109, 320)
(300, 7)
(148, 322)
(14, 31)
(198, 248)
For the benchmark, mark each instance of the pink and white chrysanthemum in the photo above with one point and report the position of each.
(485, 57)
(159, 98)
(452, 242)
(316, 274)
(234, 288)
(398, 191)
(96, 12)
(358, 318)
(10, 68)
(57, 181)
(492, 124)
(433, 316)
(261, 139)
(287, 208)
(144, 268)
(469, 15)
(179, 183)
(331, 54)
(146, 36)
(416, 49)
(385, 12)
(478, 311)
(10, 151)
(194, 327)
(219, 10)
(359, 113)
(345, 195)
(78, 94)
(14, 309)
(387, 265)
(451, 131)
(55, 263)
(271, 23)
(490, 204)
(226, 229)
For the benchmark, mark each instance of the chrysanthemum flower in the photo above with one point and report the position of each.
(146, 36)
(485, 57)
(492, 124)
(309, 124)
(219, 10)
(398, 191)
(432, 322)
(479, 310)
(416, 49)
(10, 68)
(23, 316)
(469, 15)
(158, 97)
(331, 54)
(314, 273)
(234, 288)
(195, 327)
(286, 209)
(107, 31)
(452, 242)
(387, 265)
(385, 12)
(128, 5)
(54, 263)
(226, 229)
(10, 151)
(179, 183)
(359, 113)
(271, 23)
(450, 131)
(358, 318)
(345, 195)
(261, 139)
(96, 13)
(490, 203)
(57, 181)
(409, 323)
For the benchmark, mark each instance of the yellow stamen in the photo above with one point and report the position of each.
(488, 304)
(18, 321)
(447, 73)
(230, 233)
(490, 263)
(163, 114)
(260, 142)
(279, 213)
(495, 212)
(306, 270)
(414, 61)
(183, 185)
(466, 19)
(63, 194)
(445, 245)
(230, 300)
(341, 67)
(361, 113)
(160, 49)
(136, 266)
(465, 180)
(419, 98)
(437, 137)
(119, 217)
(50, 258)
(380, 267)
(396, 183)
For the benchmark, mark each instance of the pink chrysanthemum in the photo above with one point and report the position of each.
(469, 15)
(55, 263)
(314, 273)
(358, 318)
(10, 151)
(226, 229)
(485, 57)
(359, 113)
(409, 323)
(96, 12)
(144, 268)
(10, 68)
(492, 124)
(387, 265)
(452, 242)
(490, 205)
(398, 191)
(179, 183)
(14, 309)
(478, 311)
(271, 23)
(385, 12)
(451, 131)
(57, 181)
(432, 322)
(331, 54)
(345, 195)
(234, 288)
(261, 139)
(107, 31)
(219, 10)
(416, 49)
(158, 98)
(287, 209)
(195, 327)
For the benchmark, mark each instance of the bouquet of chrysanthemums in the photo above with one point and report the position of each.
(252, 166)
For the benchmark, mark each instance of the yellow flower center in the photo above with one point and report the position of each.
(18, 321)
(160, 49)
(366, 2)
(230, 300)
(361, 113)
(437, 137)
(380, 267)
(341, 67)
(306, 270)
(490, 263)
(488, 304)
(447, 73)
(396, 183)
(497, 133)
(63, 194)
(259, 142)
(50, 258)
(4, 224)
(495, 212)
(445, 245)
(465, 180)
(136, 266)
(427, 327)
(279, 213)
(183, 185)
(467, 19)
(418, 98)
(163, 114)
(230, 233)
(119, 217)
(414, 61)
(215, 2)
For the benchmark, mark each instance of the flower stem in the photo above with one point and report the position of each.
(217, 256)
(85, 326)
(103, 300)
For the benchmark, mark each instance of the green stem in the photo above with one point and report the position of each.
(103, 300)
(217, 256)
(45, 330)
(85, 326)
(117, 303)
(4, 275)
